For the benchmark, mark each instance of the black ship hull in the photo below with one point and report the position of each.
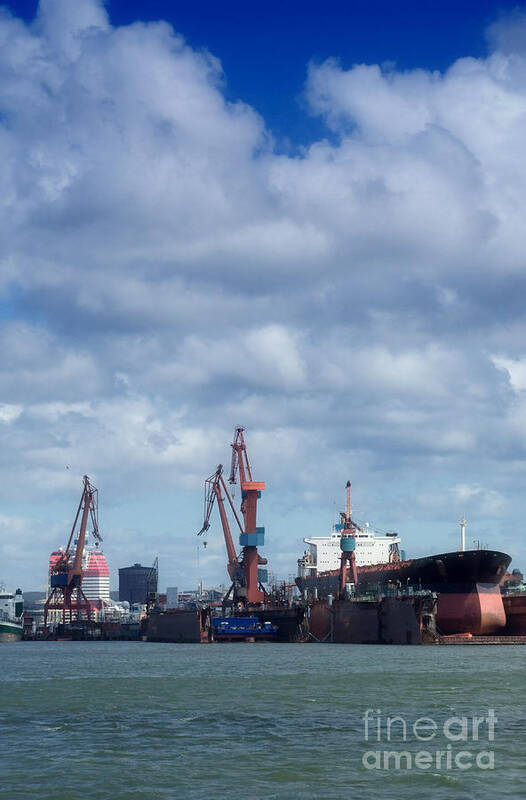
(467, 585)
(446, 572)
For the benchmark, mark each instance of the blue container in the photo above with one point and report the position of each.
(256, 539)
(347, 544)
(60, 579)
(251, 540)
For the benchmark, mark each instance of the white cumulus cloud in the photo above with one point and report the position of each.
(166, 273)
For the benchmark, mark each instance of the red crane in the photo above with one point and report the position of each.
(66, 594)
(214, 485)
(252, 537)
(243, 570)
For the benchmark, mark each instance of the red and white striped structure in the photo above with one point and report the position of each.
(95, 575)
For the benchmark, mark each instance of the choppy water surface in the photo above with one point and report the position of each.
(136, 721)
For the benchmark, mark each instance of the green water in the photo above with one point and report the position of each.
(138, 721)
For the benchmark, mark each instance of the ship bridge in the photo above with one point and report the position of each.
(324, 552)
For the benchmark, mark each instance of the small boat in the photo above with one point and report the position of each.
(11, 616)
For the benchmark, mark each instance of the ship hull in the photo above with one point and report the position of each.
(438, 573)
(455, 572)
(178, 625)
(479, 611)
(515, 608)
(467, 584)
(10, 632)
(391, 620)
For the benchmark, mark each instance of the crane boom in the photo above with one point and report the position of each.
(213, 486)
(239, 458)
(87, 504)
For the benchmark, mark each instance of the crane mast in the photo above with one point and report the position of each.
(239, 458)
(253, 536)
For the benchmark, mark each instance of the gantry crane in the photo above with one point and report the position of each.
(66, 594)
(243, 570)
(347, 545)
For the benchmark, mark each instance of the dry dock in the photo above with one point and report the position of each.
(474, 640)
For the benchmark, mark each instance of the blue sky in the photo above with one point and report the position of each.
(264, 48)
(308, 221)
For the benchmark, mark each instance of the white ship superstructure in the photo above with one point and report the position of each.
(11, 615)
(324, 552)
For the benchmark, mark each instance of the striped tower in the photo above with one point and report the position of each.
(96, 575)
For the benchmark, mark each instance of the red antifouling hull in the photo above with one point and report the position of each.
(478, 610)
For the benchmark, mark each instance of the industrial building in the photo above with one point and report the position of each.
(136, 583)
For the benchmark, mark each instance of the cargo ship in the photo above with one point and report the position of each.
(466, 581)
(437, 573)
(11, 616)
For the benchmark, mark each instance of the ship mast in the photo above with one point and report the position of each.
(462, 535)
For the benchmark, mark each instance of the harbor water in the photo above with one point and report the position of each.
(264, 721)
